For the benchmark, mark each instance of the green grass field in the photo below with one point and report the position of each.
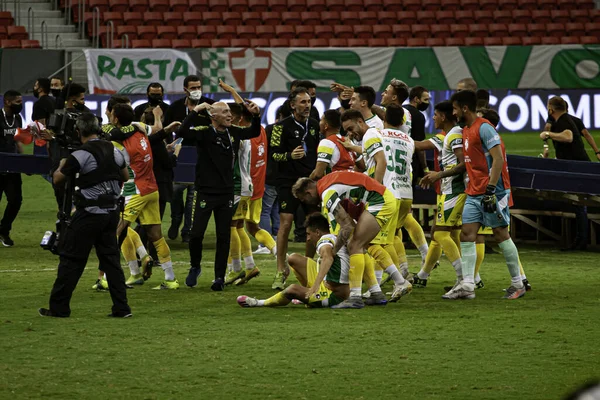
(193, 343)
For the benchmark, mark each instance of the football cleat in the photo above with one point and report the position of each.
(401, 291)
(376, 299)
(513, 293)
(527, 285)
(279, 281)
(261, 250)
(233, 276)
(419, 283)
(168, 285)
(479, 285)
(352, 302)
(135, 280)
(147, 264)
(459, 292)
(246, 301)
(101, 285)
(449, 288)
(249, 274)
(366, 294)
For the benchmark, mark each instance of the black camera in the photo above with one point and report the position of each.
(62, 123)
(50, 242)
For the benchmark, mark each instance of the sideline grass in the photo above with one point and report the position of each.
(193, 343)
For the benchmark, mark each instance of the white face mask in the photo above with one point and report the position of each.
(195, 94)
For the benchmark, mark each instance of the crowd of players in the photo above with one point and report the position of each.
(345, 179)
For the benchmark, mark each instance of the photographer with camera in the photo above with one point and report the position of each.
(155, 93)
(97, 170)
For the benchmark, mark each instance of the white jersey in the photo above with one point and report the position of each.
(407, 125)
(399, 150)
(243, 187)
(341, 260)
(455, 184)
(374, 122)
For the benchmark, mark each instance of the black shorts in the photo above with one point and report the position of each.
(287, 202)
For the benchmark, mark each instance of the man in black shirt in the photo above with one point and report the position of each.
(214, 181)
(294, 142)
(10, 183)
(44, 106)
(155, 93)
(56, 86)
(311, 88)
(418, 102)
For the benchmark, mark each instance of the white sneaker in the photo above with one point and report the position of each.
(274, 251)
(459, 292)
(261, 250)
(401, 291)
(246, 301)
(366, 295)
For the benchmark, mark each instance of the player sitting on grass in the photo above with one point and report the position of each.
(323, 283)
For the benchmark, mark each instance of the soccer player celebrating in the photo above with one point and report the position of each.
(362, 100)
(323, 283)
(451, 198)
(395, 93)
(488, 194)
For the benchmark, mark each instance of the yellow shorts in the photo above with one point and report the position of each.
(321, 298)
(254, 210)
(449, 209)
(145, 208)
(240, 207)
(404, 210)
(387, 216)
(486, 230)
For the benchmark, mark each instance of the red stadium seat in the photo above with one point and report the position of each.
(201, 43)
(251, 18)
(353, 5)
(30, 44)
(369, 18)
(382, 31)
(575, 29)
(550, 40)
(133, 18)
(585, 4)
(265, 31)
(159, 5)
(102, 6)
(181, 43)
(358, 42)
(179, 6)
(11, 44)
(115, 17)
(557, 30)
(6, 18)
(291, 18)
(406, 17)
(17, 32)
(395, 5)
(451, 41)
(421, 31)
(396, 42)
(193, 18)
(483, 17)
(503, 17)
(569, 40)
(541, 17)
(232, 18)
(431, 5)
(323, 31)
(387, 18)
(318, 42)
(276, 5)
(546, 4)
(271, 18)
(511, 41)
(565, 5)
(245, 31)
(3, 34)
(296, 6)
(336, 5)
(350, 17)
(206, 31)
(453, 5)
(472, 5)
(560, 16)
(259, 42)
(521, 16)
(238, 6)
(402, 31)
(298, 43)
(536, 29)
(166, 32)
(591, 29)
(459, 30)
(528, 4)
(186, 32)
(488, 5)
(212, 18)
(440, 30)
(285, 32)
(363, 32)
(240, 42)
(492, 41)
(316, 5)
(173, 18)
(140, 43)
(258, 5)
(128, 30)
(330, 18)
(377, 42)
(508, 4)
(310, 18)
(464, 17)
(517, 30)
(594, 15)
(338, 42)
(220, 43)
(473, 41)
(153, 18)
(445, 17)
(426, 17)
(198, 6)
(589, 40)
(161, 43)
(119, 5)
(218, 5)
(343, 31)
(373, 5)
(479, 30)
(415, 42)
(498, 30)
(304, 32)
(226, 32)
(434, 42)
(146, 32)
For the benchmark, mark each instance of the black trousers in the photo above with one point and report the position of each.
(11, 187)
(87, 230)
(221, 205)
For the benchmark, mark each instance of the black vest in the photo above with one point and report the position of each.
(106, 167)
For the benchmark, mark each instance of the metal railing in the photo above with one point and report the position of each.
(31, 21)
(17, 13)
(58, 39)
(44, 34)
(125, 41)
(110, 34)
(96, 27)
(81, 14)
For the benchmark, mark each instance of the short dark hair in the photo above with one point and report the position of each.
(238, 110)
(417, 91)
(316, 221)
(307, 84)
(366, 93)
(116, 99)
(466, 98)
(295, 83)
(469, 83)
(73, 90)
(191, 78)
(558, 103)
(123, 113)
(445, 108)
(155, 85)
(490, 115)
(299, 90)
(351, 115)
(10, 95)
(62, 81)
(483, 98)
(87, 124)
(400, 89)
(44, 84)
(333, 118)
(283, 112)
(394, 114)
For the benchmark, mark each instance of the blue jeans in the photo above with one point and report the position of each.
(178, 209)
(269, 217)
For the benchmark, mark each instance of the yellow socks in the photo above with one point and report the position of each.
(265, 239)
(164, 257)
(433, 256)
(246, 247)
(278, 300)
(355, 274)
(401, 252)
(235, 249)
(128, 250)
(449, 247)
(417, 236)
(370, 278)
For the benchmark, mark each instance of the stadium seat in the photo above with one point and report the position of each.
(265, 31)
(159, 5)
(426, 17)
(541, 17)
(212, 18)
(219, 6)
(304, 32)
(276, 5)
(297, 6)
(17, 32)
(421, 31)
(459, 30)
(440, 30)
(488, 5)
(238, 6)
(406, 17)
(560, 16)
(589, 40)
(473, 41)
(350, 18)
(464, 17)
(377, 42)
(575, 29)
(115, 17)
(492, 41)
(382, 31)
(316, 5)
(3, 34)
(373, 5)
(179, 6)
(245, 31)
(585, 4)
(291, 18)
(232, 18)
(251, 18)
(336, 42)
(6, 18)
(226, 32)
(140, 43)
(594, 15)
(271, 18)
(517, 30)
(508, 4)
(186, 32)
(133, 18)
(181, 43)
(201, 43)
(173, 18)
(343, 31)
(415, 42)
(531, 40)
(472, 5)
(362, 32)
(483, 17)
(318, 42)
(10, 44)
(139, 5)
(285, 32)
(502, 17)
(102, 6)
(445, 17)
(511, 41)
(452, 5)
(402, 31)
(336, 5)
(206, 31)
(330, 18)
(451, 41)
(119, 5)
(387, 18)
(146, 32)
(198, 6)
(298, 43)
(434, 42)
(536, 29)
(396, 42)
(310, 18)
(591, 29)
(546, 4)
(161, 43)
(478, 30)
(557, 30)
(258, 42)
(222, 42)
(521, 16)
(166, 32)
(406, 5)
(369, 18)
(569, 40)
(550, 40)
(353, 5)
(323, 31)
(258, 5)
(528, 4)
(430, 5)
(498, 30)
(358, 42)
(153, 18)
(240, 42)
(30, 44)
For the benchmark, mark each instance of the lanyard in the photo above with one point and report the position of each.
(303, 127)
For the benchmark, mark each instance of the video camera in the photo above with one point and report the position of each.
(62, 123)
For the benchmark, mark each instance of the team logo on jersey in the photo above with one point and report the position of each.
(202, 204)
(467, 144)
(283, 205)
(261, 149)
(250, 68)
(230, 203)
(143, 143)
(297, 134)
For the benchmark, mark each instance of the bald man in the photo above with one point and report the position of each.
(216, 145)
